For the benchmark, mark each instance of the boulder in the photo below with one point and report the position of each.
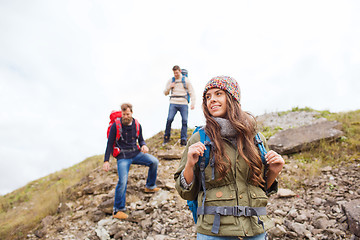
(352, 211)
(301, 138)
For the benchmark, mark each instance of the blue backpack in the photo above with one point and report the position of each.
(205, 159)
(184, 72)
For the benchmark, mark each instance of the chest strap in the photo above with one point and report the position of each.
(236, 211)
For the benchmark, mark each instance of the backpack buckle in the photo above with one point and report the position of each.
(258, 141)
(237, 211)
(248, 212)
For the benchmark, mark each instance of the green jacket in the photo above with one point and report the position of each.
(232, 190)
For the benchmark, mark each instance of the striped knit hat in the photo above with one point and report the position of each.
(225, 83)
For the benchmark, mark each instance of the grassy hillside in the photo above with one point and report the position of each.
(22, 209)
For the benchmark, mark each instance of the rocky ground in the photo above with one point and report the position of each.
(315, 211)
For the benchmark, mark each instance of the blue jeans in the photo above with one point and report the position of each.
(207, 237)
(123, 166)
(173, 109)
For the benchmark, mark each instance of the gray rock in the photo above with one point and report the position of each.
(293, 213)
(97, 215)
(298, 228)
(102, 233)
(280, 212)
(146, 223)
(297, 139)
(285, 193)
(301, 218)
(63, 207)
(321, 223)
(170, 154)
(40, 233)
(160, 237)
(277, 231)
(170, 185)
(47, 221)
(352, 211)
(107, 206)
(317, 201)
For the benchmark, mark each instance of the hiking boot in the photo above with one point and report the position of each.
(183, 142)
(148, 190)
(120, 215)
(166, 140)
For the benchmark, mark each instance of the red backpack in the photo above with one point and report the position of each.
(115, 117)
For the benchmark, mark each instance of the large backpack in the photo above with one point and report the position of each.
(115, 117)
(184, 72)
(203, 163)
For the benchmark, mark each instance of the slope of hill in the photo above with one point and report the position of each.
(76, 203)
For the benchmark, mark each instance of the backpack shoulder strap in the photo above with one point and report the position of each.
(184, 83)
(260, 144)
(173, 79)
(206, 141)
(118, 128)
(137, 127)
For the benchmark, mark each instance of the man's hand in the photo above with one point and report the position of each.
(106, 166)
(144, 149)
(172, 85)
(192, 106)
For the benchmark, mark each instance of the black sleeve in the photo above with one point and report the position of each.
(141, 138)
(110, 142)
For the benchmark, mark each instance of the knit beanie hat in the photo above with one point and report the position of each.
(225, 83)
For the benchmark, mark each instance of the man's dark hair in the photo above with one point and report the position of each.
(125, 106)
(176, 67)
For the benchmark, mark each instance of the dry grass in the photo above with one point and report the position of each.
(23, 209)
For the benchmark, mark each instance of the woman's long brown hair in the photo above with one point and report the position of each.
(245, 126)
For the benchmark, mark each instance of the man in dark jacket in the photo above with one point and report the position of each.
(130, 153)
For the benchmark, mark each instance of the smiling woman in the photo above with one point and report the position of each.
(231, 182)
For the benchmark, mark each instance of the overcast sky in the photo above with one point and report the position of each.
(64, 65)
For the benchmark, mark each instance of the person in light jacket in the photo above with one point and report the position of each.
(179, 87)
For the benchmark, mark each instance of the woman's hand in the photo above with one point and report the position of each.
(194, 151)
(275, 162)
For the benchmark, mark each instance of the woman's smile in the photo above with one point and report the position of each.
(216, 102)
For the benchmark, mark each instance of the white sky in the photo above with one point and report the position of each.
(64, 65)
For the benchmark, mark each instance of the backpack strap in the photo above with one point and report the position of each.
(204, 161)
(187, 91)
(184, 83)
(137, 127)
(118, 128)
(260, 144)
